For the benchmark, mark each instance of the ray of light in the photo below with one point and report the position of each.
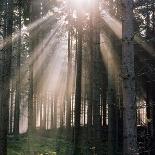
(149, 48)
(27, 29)
(40, 52)
(116, 27)
(110, 57)
(54, 78)
(113, 23)
(47, 47)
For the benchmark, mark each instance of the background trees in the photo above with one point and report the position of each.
(83, 70)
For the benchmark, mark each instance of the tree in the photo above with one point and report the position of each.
(78, 87)
(18, 84)
(35, 10)
(68, 91)
(111, 101)
(5, 76)
(129, 100)
(96, 75)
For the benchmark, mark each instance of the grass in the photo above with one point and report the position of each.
(24, 144)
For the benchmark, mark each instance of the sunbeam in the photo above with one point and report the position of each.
(116, 27)
(77, 77)
(42, 51)
(27, 29)
(113, 23)
(109, 55)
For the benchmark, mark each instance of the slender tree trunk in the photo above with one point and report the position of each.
(128, 75)
(90, 44)
(18, 95)
(30, 99)
(152, 90)
(62, 112)
(78, 91)
(30, 93)
(52, 112)
(148, 108)
(84, 109)
(104, 104)
(96, 69)
(68, 114)
(45, 113)
(11, 108)
(111, 109)
(34, 111)
(55, 112)
(6, 73)
(41, 112)
(48, 110)
(153, 16)
(35, 12)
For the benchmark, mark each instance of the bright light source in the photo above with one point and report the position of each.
(80, 4)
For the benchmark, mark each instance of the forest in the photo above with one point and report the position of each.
(77, 77)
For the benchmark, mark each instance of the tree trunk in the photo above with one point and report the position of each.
(68, 114)
(11, 109)
(52, 112)
(55, 112)
(152, 90)
(96, 76)
(78, 90)
(35, 11)
(128, 79)
(41, 111)
(18, 95)
(111, 110)
(45, 113)
(5, 79)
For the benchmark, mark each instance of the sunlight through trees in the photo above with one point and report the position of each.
(77, 77)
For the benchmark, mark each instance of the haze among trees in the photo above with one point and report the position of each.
(77, 77)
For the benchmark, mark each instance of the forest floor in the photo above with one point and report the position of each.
(39, 144)
(51, 142)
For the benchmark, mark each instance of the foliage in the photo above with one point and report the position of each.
(42, 145)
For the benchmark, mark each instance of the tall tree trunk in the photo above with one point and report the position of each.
(34, 111)
(18, 95)
(5, 79)
(68, 114)
(128, 79)
(78, 89)
(152, 90)
(11, 109)
(96, 77)
(35, 11)
(30, 93)
(52, 112)
(111, 109)
(90, 44)
(41, 111)
(45, 112)
(48, 110)
(148, 107)
(61, 111)
(30, 99)
(104, 103)
(55, 112)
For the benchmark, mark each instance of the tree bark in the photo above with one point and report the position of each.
(68, 114)
(96, 76)
(18, 89)
(128, 79)
(5, 77)
(78, 90)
